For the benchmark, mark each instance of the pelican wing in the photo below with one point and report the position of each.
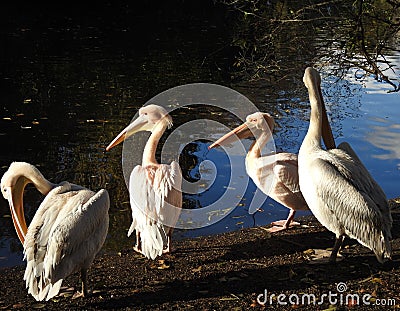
(281, 166)
(35, 246)
(282, 184)
(168, 181)
(65, 235)
(286, 171)
(366, 183)
(153, 197)
(343, 187)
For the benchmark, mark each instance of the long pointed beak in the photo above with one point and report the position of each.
(241, 132)
(327, 134)
(17, 211)
(136, 126)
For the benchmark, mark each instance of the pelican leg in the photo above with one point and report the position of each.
(336, 247)
(138, 246)
(284, 224)
(84, 283)
(168, 249)
(84, 292)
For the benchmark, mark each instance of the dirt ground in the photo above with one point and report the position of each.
(228, 272)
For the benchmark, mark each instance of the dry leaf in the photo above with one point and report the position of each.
(38, 305)
(377, 280)
(18, 305)
(163, 266)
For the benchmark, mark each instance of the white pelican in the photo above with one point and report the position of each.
(281, 166)
(66, 233)
(155, 189)
(337, 187)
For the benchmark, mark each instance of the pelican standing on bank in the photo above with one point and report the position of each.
(155, 189)
(282, 166)
(338, 188)
(67, 231)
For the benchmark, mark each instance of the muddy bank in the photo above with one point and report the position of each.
(228, 272)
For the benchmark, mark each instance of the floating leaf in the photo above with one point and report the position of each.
(229, 188)
(7, 118)
(27, 101)
(240, 216)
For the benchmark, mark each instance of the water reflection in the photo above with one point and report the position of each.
(387, 138)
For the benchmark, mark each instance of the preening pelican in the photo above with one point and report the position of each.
(66, 233)
(281, 167)
(155, 189)
(338, 188)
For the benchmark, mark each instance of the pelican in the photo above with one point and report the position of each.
(281, 166)
(338, 188)
(66, 232)
(155, 189)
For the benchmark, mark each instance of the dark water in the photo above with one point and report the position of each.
(71, 78)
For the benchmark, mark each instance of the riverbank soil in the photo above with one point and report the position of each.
(228, 272)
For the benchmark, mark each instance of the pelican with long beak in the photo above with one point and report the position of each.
(67, 231)
(155, 189)
(338, 188)
(282, 166)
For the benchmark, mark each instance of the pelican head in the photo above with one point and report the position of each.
(312, 81)
(256, 124)
(150, 118)
(311, 78)
(13, 183)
